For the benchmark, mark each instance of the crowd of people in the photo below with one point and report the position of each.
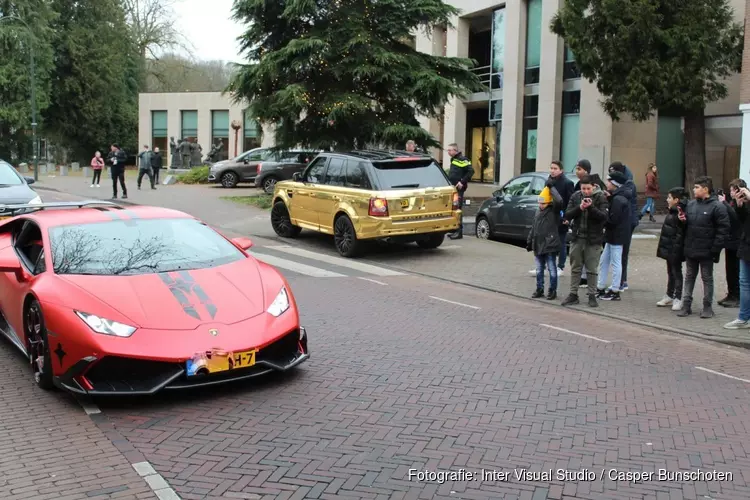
(601, 217)
(149, 164)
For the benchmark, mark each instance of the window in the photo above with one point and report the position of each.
(537, 185)
(9, 176)
(533, 41)
(498, 49)
(569, 130)
(220, 133)
(410, 174)
(138, 246)
(259, 155)
(189, 129)
(159, 130)
(355, 175)
(314, 172)
(28, 243)
(529, 145)
(251, 132)
(517, 186)
(570, 68)
(336, 174)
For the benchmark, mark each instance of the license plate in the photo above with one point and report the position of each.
(216, 361)
(404, 203)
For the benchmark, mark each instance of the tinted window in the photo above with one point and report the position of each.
(410, 174)
(355, 175)
(314, 172)
(140, 246)
(8, 175)
(537, 186)
(336, 175)
(517, 187)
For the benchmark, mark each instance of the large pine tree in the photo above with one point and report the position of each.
(656, 55)
(342, 73)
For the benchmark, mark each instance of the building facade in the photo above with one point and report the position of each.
(203, 117)
(536, 108)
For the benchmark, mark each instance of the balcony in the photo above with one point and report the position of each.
(483, 72)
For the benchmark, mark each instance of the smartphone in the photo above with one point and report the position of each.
(720, 192)
(587, 200)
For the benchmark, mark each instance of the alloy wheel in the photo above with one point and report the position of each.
(483, 229)
(269, 185)
(281, 222)
(343, 235)
(229, 180)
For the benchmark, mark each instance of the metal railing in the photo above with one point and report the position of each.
(484, 73)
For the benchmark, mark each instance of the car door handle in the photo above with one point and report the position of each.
(336, 197)
(290, 192)
(523, 206)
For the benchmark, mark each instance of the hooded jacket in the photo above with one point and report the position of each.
(617, 229)
(743, 215)
(672, 238)
(588, 225)
(544, 237)
(707, 228)
(565, 188)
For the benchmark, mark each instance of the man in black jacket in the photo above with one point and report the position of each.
(566, 188)
(616, 234)
(157, 162)
(731, 263)
(460, 174)
(741, 196)
(117, 159)
(706, 232)
(634, 218)
(586, 214)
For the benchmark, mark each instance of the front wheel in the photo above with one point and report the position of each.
(269, 184)
(282, 222)
(431, 241)
(345, 237)
(38, 346)
(482, 229)
(229, 179)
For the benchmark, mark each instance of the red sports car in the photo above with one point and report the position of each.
(109, 300)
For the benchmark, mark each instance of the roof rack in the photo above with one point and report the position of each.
(27, 207)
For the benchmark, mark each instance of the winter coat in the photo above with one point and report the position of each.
(617, 229)
(652, 185)
(544, 237)
(707, 228)
(157, 161)
(743, 215)
(588, 225)
(672, 237)
(634, 212)
(97, 163)
(735, 227)
(566, 188)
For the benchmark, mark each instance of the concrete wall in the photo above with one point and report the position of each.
(203, 103)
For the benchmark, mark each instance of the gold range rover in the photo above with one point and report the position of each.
(363, 196)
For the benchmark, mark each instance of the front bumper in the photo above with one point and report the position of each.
(118, 376)
(384, 227)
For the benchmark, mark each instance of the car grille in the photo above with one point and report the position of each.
(117, 374)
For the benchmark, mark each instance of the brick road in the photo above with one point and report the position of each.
(401, 379)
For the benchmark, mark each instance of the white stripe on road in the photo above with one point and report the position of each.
(722, 374)
(374, 281)
(88, 406)
(449, 247)
(337, 261)
(296, 266)
(452, 302)
(155, 481)
(575, 333)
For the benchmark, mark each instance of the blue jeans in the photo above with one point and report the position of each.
(548, 261)
(611, 258)
(744, 290)
(563, 231)
(648, 207)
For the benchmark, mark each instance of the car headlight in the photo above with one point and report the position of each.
(36, 201)
(280, 304)
(106, 326)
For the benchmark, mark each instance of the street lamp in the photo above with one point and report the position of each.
(33, 89)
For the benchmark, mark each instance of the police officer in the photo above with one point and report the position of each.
(460, 174)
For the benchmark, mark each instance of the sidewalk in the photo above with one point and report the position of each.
(468, 261)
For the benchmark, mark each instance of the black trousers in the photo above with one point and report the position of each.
(732, 266)
(97, 177)
(118, 174)
(707, 276)
(156, 175)
(674, 279)
(145, 171)
(625, 252)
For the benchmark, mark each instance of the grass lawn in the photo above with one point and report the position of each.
(260, 201)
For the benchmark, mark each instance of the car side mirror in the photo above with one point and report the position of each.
(296, 176)
(29, 180)
(9, 263)
(242, 243)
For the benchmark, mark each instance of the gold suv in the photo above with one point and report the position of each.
(368, 195)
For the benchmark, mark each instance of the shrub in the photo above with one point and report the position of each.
(198, 175)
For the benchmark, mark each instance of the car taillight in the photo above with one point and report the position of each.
(259, 168)
(378, 207)
(456, 204)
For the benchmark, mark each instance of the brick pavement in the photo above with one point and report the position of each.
(472, 263)
(427, 385)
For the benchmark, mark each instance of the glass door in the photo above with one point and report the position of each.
(483, 153)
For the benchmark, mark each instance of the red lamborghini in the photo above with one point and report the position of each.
(110, 300)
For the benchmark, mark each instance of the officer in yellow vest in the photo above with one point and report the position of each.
(460, 174)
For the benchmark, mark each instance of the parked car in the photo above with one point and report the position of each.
(509, 213)
(244, 168)
(364, 196)
(15, 190)
(270, 172)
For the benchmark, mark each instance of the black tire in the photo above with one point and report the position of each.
(432, 241)
(282, 223)
(38, 346)
(269, 183)
(229, 179)
(482, 229)
(345, 237)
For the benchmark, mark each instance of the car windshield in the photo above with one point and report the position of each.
(409, 174)
(8, 175)
(138, 246)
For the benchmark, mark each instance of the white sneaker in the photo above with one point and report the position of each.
(98, 186)
(677, 305)
(736, 324)
(665, 301)
(91, 185)
(533, 272)
(560, 272)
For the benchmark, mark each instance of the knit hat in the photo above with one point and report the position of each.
(584, 164)
(545, 196)
(617, 178)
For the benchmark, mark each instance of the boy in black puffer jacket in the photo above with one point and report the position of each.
(544, 239)
(707, 229)
(671, 247)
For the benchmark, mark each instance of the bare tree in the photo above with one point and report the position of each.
(175, 73)
(154, 24)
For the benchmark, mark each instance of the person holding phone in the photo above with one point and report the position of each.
(741, 196)
(731, 263)
(671, 247)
